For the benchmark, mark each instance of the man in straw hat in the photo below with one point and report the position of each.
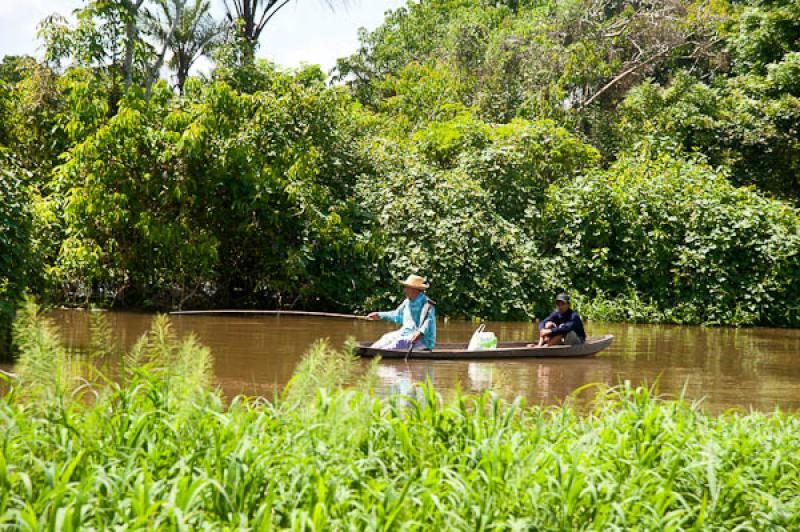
(416, 314)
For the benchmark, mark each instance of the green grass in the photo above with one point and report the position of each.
(156, 447)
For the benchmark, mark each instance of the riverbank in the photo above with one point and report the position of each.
(159, 448)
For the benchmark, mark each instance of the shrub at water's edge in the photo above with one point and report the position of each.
(16, 264)
(665, 238)
(158, 448)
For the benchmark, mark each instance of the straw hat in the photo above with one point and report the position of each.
(415, 281)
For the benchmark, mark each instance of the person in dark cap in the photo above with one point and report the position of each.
(563, 326)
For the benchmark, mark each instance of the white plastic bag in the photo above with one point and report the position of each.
(482, 340)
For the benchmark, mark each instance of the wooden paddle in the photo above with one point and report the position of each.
(408, 353)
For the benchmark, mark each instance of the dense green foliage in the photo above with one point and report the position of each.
(271, 188)
(16, 257)
(462, 202)
(747, 124)
(159, 450)
(700, 249)
(642, 155)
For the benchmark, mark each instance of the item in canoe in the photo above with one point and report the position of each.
(482, 340)
(592, 346)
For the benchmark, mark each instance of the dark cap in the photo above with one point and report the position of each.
(563, 297)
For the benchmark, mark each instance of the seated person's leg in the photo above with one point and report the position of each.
(555, 340)
(389, 340)
(542, 339)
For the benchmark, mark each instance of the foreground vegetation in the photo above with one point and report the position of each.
(643, 155)
(157, 447)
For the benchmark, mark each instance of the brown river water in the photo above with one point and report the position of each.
(725, 367)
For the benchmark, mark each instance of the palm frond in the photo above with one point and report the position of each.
(101, 338)
(44, 365)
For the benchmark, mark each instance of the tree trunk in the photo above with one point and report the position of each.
(131, 34)
(152, 74)
(182, 74)
(130, 44)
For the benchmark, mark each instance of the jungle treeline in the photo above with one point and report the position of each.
(643, 155)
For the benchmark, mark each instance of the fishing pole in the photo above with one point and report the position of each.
(267, 313)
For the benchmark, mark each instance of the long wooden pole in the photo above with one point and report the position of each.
(267, 313)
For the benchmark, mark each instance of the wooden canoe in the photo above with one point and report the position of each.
(592, 346)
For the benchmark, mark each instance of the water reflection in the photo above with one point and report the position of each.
(540, 380)
(728, 367)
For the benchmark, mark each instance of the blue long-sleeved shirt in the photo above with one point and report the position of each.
(408, 315)
(569, 321)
